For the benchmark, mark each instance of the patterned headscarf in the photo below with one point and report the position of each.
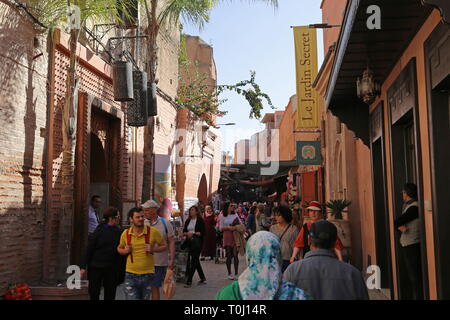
(262, 280)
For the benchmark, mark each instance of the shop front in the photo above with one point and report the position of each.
(390, 88)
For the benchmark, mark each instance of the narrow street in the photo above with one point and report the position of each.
(216, 276)
(323, 123)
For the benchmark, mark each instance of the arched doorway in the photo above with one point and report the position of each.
(202, 193)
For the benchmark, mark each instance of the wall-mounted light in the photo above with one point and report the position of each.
(367, 88)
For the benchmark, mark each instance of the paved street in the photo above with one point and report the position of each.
(216, 276)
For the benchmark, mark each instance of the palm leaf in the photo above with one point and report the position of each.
(338, 206)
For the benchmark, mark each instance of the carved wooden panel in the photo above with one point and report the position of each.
(438, 48)
(442, 5)
(376, 123)
(402, 95)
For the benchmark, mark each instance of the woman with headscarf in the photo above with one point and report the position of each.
(262, 280)
(209, 241)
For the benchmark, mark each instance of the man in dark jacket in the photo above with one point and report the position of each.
(323, 276)
(102, 261)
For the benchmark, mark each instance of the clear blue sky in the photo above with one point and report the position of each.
(247, 35)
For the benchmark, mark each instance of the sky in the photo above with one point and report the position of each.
(250, 35)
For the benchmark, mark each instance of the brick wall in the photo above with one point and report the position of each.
(23, 105)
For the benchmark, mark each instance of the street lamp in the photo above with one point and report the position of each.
(227, 124)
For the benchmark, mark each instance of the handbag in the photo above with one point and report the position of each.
(195, 243)
(169, 285)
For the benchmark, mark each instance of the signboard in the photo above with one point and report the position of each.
(307, 69)
(163, 178)
(309, 153)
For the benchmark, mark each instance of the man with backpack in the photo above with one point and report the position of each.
(140, 243)
(163, 260)
(303, 242)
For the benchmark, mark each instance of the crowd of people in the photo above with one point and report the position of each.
(285, 259)
(288, 257)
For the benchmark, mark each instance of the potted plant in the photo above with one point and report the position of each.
(337, 207)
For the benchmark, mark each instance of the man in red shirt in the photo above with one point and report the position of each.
(315, 214)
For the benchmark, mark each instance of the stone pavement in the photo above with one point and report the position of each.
(216, 276)
(216, 279)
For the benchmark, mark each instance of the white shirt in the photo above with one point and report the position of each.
(92, 220)
(162, 258)
(191, 226)
(228, 220)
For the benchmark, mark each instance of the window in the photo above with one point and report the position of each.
(410, 157)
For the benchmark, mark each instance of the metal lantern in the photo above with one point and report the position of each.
(137, 110)
(367, 88)
(152, 100)
(128, 11)
(123, 81)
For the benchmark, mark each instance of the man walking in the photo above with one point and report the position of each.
(165, 259)
(302, 243)
(409, 225)
(322, 275)
(93, 219)
(138, 242)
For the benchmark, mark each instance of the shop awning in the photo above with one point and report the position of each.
(281, 168)
(359, 47)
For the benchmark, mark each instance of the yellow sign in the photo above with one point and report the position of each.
(306, 62)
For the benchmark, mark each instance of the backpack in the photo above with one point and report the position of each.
(165, 227)
(147, 240)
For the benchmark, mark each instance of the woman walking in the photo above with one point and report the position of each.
(209, 242)
(194, 230)
(286, 232)
(227, 224)
(262, 280)
(103, 263)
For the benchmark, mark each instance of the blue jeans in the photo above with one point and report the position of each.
(158, 279)
(138, 286)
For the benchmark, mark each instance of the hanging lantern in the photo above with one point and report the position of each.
(367, 88)
(137, 109)
(123, 81)
(128, 11)
(152, 100)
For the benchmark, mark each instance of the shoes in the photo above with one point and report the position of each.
(188, 285)
(230, 277)
(202, 282)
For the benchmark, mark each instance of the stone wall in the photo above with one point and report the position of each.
(23, 119)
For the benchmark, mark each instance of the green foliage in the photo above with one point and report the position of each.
(54, 13)
(203, 100)
(337, 207)
(251, 91)
(195, 94)
(195, 12)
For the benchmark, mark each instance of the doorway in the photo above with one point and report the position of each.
(406, 167)
(437, 52)
(202, 193)
(97, 164)
(381, 213)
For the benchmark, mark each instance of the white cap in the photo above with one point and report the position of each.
(150, 204)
